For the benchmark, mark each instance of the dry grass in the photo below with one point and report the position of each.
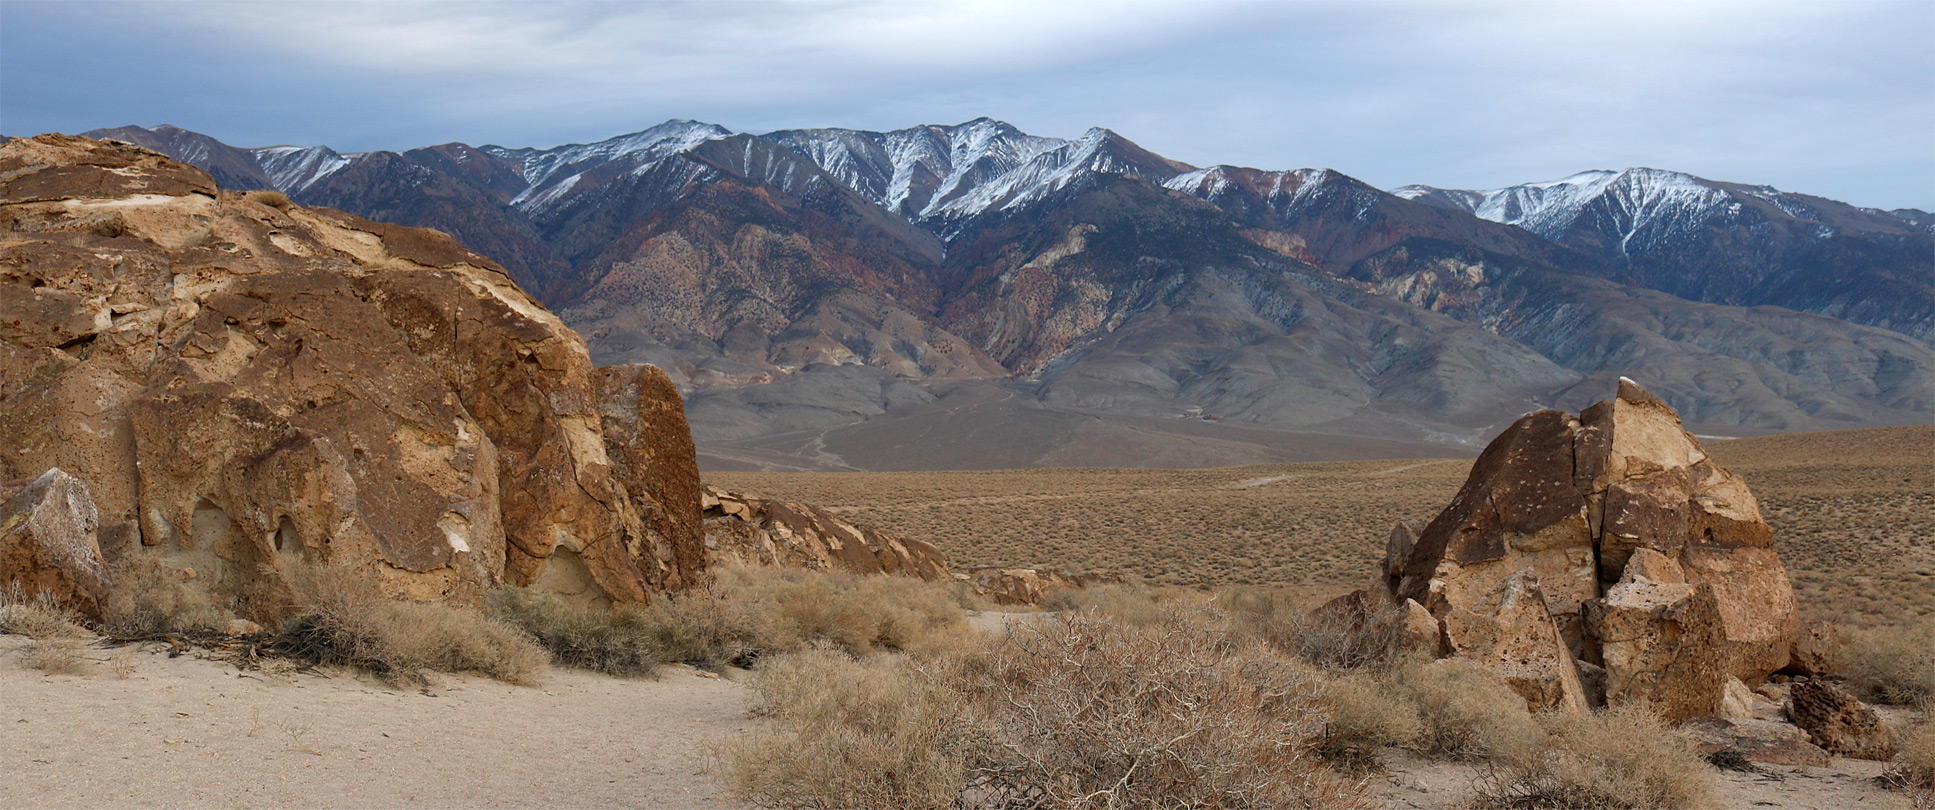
(1464, 711)
(756, 610)
(59, 642)
(626, 642)
(341, 617)
(1915, 764)
(1892, 664)
(1368, 713)
(845, 734)
(1619, 759)
(1075, 712)
(1853, 514)
(150, 598)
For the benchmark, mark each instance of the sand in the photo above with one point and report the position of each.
(185, 732)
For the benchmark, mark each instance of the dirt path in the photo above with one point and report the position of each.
(183, 732)
(1413, 783)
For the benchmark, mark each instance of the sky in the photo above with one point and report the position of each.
(1834, 97)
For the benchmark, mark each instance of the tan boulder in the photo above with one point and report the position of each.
(1656, 488)
(1518, 510)
(1661, 639)
(243, 385)
(654, 459)
(47, 542)
(1836, 721)
(1817, 649)
(1512, 633)
(1737, 701)
(756, 531)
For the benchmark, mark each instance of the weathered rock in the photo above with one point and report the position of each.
(1737, 701)
(1018, 586)
(1836, 721)
(1657, 488)
(654, 459)
(1756, 741)
(1418, 629)
(1817, 649)
(756, 531)
(1518, 510)
(1512, 633)
(1575, 501)
(47, 541)
(1397, 549)
(1661, 640)
(243, 384)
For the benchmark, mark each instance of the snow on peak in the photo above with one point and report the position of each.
(550, 173)
(294, 168)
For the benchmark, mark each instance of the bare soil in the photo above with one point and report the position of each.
(187, 732)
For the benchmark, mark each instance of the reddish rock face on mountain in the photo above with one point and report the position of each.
(241, 381)
(756, 531)
(1651, 559)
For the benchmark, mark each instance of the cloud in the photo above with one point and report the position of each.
(1829, 98)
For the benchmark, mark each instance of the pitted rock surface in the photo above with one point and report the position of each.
(240, 381)
(1838, 722)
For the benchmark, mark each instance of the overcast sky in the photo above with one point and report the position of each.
(1828, 98)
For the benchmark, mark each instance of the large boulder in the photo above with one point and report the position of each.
(1573, 501)
(1661, 640)
(47, 542)
(244, 383)
(1838, 722)
(1817, 649)
(756, 531)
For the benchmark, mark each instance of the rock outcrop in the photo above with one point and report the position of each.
(47, 542)
(242, 382)
(756, 531)
(1836, 721)
(1817, 649)
(1652, 563)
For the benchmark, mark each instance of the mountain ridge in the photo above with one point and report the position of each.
(807, 280)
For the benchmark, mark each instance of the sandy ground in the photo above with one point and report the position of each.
(146, 730)
(184, 732)
(1849, 784)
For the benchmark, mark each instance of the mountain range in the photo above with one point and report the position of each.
(975, 296)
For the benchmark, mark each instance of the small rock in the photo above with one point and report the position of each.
(241, 627)
(1836, 721)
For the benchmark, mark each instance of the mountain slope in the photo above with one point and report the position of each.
(1729, 243)
(820, 289)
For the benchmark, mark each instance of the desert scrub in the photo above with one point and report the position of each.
(1623, 758)
(150, 599)
(1366, 714)
(616, 641)
(1914, 769)
(342, 617)
(775, 610)
(1072, 711)
(1464, 711)
(1122, 603)
(36, 617)
(57, 641)
(1892, 664)
(1084, 711)
(845, 733)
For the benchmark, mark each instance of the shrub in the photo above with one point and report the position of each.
(1464, 711)
(273, 199)
(58, 655)
(1084, 711)
(751, 611)
(622, 641)
(1126, 604)
(1621, 759)
(1892, 664)
(845, 734)
(1367, 714)
(1914, 769)
(38, 617)
(342, 617)
(150, 599)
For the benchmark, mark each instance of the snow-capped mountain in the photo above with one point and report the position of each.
(944, 176)
(1728, 243)
(805, 279)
